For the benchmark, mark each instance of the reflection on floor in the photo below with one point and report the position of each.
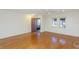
(40, 41)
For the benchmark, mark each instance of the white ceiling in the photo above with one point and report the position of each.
(36, 10)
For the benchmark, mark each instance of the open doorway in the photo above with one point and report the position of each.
(35, 24)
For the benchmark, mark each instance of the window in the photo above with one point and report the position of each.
(54, 22)
(62, 22)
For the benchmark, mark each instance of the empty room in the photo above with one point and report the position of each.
(39, 28)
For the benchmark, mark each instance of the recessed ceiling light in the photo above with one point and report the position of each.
(63, 10)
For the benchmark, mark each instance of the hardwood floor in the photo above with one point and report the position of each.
(43, 40)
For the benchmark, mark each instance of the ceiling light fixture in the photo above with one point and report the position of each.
(63, 10)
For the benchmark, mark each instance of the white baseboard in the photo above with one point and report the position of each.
(10, 35)
(64, 34)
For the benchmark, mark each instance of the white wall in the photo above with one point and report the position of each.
(15, 23)
(12, 24)
(72, 23)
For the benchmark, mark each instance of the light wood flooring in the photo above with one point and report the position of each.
(43, 40)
